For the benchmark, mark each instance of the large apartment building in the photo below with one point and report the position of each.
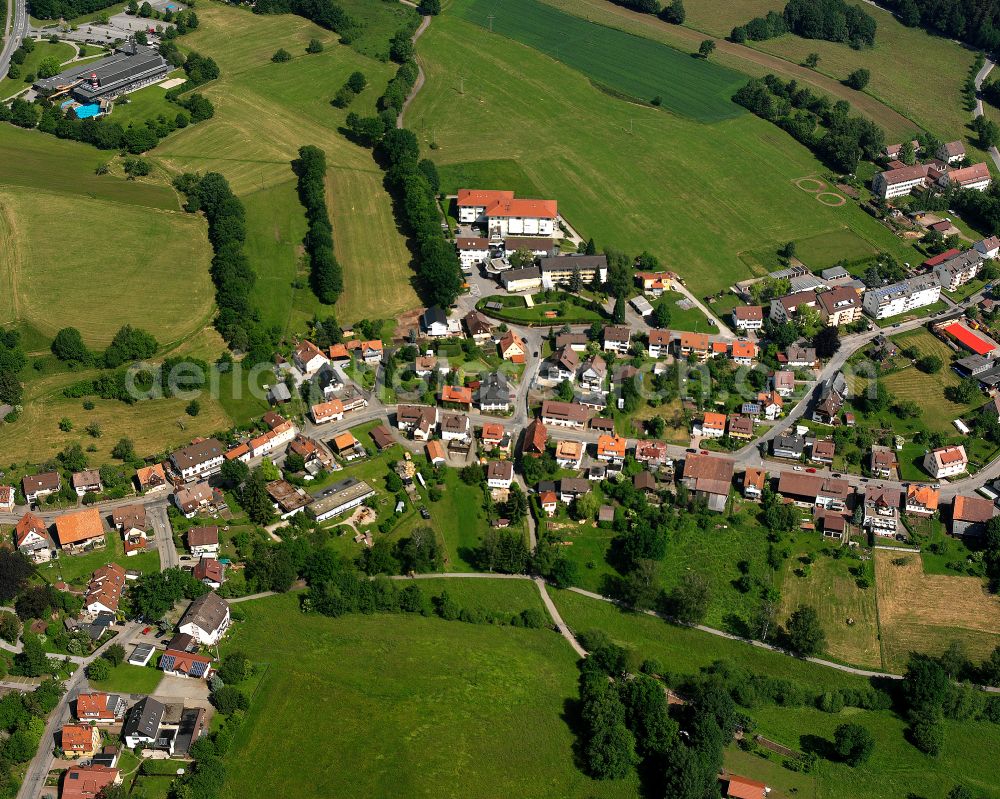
(907, 295)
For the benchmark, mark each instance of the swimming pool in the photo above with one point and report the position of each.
(86, 111)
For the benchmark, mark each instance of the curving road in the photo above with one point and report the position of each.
(17, 24)
(978, 112)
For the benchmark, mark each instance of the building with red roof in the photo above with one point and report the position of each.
(972, 341)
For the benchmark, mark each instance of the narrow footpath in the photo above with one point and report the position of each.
(418, 84)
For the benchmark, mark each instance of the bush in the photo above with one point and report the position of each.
(281, 56)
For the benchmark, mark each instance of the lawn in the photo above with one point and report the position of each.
(618, 170)
(507, 596)
(147, 103)
(412, 706)
(926, 612)
(828, 586)
(459, 518)
(43, 50)
(691, 319)
(488, 173)
(126, 679)
(816, 252)
(77, 569)
(264, 113)
(157, 277)
(634, 66)
(37, 160)
(587, 545)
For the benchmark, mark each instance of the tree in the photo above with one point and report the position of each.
(805, 633)
(73, 458)
(827, 341)
(858, 79)
(228, 700)
(420, 551)
(429, 7)
(661, 313)
(281, 56)
(564, 391)
(618, 314)
(706, 48)
(10, 627)
(68, 346)
(48, 67)
(11, 391)
(674, 13)
(689, 601)
(124, 450)
(234, 472)
(193, 408)
(641, 586)
(812, 60)
(31, 660)
(114, 654)
(235, 667)
(314, 46)
(853, 743)
(356, 82)
(15, 573)
(590, 248)
(504, 551)
(931, 364)
(255, 500)
(907, 154)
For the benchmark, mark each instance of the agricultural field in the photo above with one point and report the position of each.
(273, 109)
(157, 279)
(413, 706)
(896, 768)
(926, 612)
(634, 66)
(847, 612)
(619, 170)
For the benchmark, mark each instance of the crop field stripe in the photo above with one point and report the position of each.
(635, 66)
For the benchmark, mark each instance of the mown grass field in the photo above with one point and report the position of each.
(406, 706)
(264, 113)
(635, 66)
(37, 160)
(696, 195)
(926, 612)
(816, 252)
(128, 679)
(896, 768)
(68, 264)
(830, 588)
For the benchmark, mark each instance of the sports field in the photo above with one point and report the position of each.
(637, 67)
(846, 612)
(96, 265)
(696, 195)
(928, 611)
(373, 706)
(264, 113)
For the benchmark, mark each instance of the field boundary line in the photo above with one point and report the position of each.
(878, 615)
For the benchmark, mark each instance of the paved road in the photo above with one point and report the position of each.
(17, 24)
(160, 522)
(978, 112)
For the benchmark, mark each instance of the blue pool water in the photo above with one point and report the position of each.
(85, 111)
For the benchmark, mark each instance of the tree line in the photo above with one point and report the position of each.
(845, 140)
(325, 274)
(12, 363)
(325, 13)
(672, 12)
(238, 320)
(832, 20)
(975, 22)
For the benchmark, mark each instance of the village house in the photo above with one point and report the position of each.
(969, 516)
(31, 537)
(881, 514)
(785, 308)
(617, 338)
(37, 486)
(455, 427)
(346, 446)
(210, 572)
(564, 414)
(127, 517)
(186, 664)
(479, 328)
(893, 151)
(535, 439)
(572, 487)
(973, 178)
(88, 782)
(494, 394)
(425, 365)
(743, 351)
(713, 425)
(748, 317)
(593, 375)
(783, 382)
(771, 405)
(500, 474)
(459, 396)
(651, 454)
(902, 297)
(417, 420)
(736, 787)
(80, 740)
(7, 496)
(494, 436)
(436, 455)
(308, 358)
(191, 500)
(788, 445)
(339, 355)
(372, 351)
(381, 436)
(900, 181)
(332, 411)
(104, 591)
(549, 502)
(840, 306)
(922, 500)
(694, 344)
(611, 449)
(206, 619)
(739, 427)
(81, 531)
(512, 347)
(142, 725)
(946, 462)
(203, 542)
(87, 482)
(989, 247)
(576, 341)
(754, 481)
(562, 365)
(288, 500)
(526, 278)
(799, 357)
(658, 343)
(831, 401)
(655, 283)
(559, 271)
(569, 454)
(199, 459)
(883, 461)
(100, 708)
(709, 477)
(272, 440)
(151, 478)
(822, 452)
(434, 322)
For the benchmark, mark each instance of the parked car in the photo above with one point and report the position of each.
(691, 450)
(796, 468)
(811, 470)
(424, 513)
(146, 630)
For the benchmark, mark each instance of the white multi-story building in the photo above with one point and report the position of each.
(907, 295)
(946, 461)
(840, 306)
(559, 271)
(900, 182)
(975, 177)
(959, 269)
(199, 459)
(472, 203)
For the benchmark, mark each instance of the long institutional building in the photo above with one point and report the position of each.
(131, 67)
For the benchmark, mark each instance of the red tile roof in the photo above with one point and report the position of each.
(480, 198)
